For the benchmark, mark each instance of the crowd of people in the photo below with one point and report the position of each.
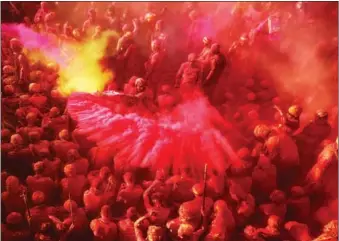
(58, 185)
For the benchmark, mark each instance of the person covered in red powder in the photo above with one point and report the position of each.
(104, 228)
(155, 66)
(190, 74)
(217, 64)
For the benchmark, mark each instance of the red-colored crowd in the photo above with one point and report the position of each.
(57, 185)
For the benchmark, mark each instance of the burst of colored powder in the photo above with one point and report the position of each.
(80, 70)
(84, 73)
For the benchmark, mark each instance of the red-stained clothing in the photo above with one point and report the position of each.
(264, 178)
(104, 230)
(75, 186)
(13, 202)
(24, 131)
(40, 15)
(126, 230)
(43, 184)
(100, 157)
(61, 148)
(19, 162)
(246, 208)
(313, 134)
(222, 226)
(216, 187)
(38, 148)
(131, 195)
(39, 101)
(274, 209)
(81, 225)
(217, 64)
(52, 126)
(298, 231)
(282, 150)
(81, 165)
(84, 144)
(189, 74)
(52, 168)
(133, 62)
(93, 202)
(15, 235)
(325, 171)
(39, 215)
(155, 70)
(181, 189)
(299, 208)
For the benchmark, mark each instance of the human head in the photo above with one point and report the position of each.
(92, 13)
(140, 84)
(31, 118)
(52, 67)
(70, 170)
(95, 185)
(262, 132)
(14, 219)
(243, 153)
(12, 184)
(34, 136)
(150, 17)
(15, 45)
(131, 213)
(198, 190)
(64, 135)
(159, 25)
(38, 198)
(206, 41)
(8, 69)
(24, 100)
(160, 175)
(72, 155)
(55, 93)
(278, 197)
(185, 230)
(38, 167)
(76, 33)
(294, 111)
(220, 206)
(243, 39)
(251, 97)
(50, 18)
(321, 116)
(104, 172)
(70, 204)
(193, 15)
(192, 57)
(54, 112)
(128, 178)
(9, 90)
(156, 45)
(250, 232)
(16, 140)
(185, 213)
(34, 88)
(98, 29)
(154, 233)
(5, 135)
(105, 212)
(273, 221)
(215, 48)
(157, 199)
(43, 6)
(297, 192)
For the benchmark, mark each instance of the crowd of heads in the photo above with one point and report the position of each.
(58, 185)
